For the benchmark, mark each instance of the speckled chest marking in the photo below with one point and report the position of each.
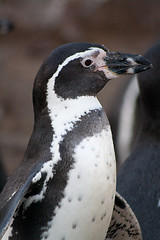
(86, 209)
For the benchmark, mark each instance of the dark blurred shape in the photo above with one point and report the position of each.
(139, 176)
(3, 176)
(6, 26)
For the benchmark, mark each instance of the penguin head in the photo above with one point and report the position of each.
(82, 69)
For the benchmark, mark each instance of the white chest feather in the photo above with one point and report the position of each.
(86, 209)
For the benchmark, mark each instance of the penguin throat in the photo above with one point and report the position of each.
(64, 114)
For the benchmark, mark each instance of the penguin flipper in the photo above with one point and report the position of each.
(124, 224)
(8, 208)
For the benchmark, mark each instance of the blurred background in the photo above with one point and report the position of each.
(30, 30)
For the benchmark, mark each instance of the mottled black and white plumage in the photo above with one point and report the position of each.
(64, 188)
(124, 224)
(139, 176)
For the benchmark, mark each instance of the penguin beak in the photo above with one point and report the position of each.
(124, 63)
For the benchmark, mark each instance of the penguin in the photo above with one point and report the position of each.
(64, 188)
(139, 176)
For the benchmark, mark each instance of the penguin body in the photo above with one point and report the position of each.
(65, 186)
(85, 159)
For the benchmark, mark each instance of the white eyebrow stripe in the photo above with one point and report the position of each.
(73, 57)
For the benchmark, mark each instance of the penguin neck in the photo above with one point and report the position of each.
(64, 113)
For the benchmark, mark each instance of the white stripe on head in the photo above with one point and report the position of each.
(51, 82)
(77, 55)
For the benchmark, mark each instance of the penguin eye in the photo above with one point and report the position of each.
(87, 62)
